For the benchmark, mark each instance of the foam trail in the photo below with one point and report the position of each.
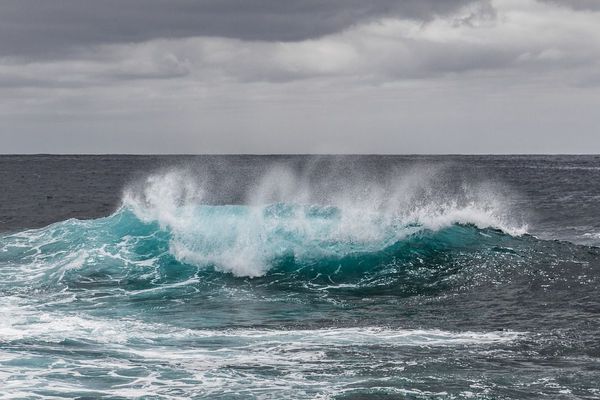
(24, 322)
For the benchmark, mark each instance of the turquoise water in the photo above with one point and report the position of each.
(171, 297)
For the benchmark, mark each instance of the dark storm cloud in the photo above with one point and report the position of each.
(38, 28)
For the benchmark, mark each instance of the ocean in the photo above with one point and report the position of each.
(300, 277)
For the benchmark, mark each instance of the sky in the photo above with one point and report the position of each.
(306, 76)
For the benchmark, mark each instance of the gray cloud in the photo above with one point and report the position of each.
(577, 4)
(37, 28)
(303, 76)
(530, 37)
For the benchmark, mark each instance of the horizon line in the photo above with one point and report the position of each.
(294, 154)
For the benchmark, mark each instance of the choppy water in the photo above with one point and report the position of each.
(295, 277)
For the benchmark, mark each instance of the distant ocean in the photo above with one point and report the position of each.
(300, 277)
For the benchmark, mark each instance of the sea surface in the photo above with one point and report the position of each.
(300, 277)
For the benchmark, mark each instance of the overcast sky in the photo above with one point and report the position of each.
(305, 76)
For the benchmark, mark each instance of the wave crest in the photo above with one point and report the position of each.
(285, 217)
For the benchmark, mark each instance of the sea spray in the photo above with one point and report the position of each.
(285, 218)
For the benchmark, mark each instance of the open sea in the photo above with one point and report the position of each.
(300, 277)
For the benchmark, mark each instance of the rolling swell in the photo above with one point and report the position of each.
(166, 239)
(297, 260)
(281, 246)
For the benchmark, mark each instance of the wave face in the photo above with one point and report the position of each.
(307, 243)
(297, 292)
(248, 240)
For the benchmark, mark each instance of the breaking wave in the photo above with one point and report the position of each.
(164, 220)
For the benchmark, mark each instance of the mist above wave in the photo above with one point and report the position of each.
(291, 214)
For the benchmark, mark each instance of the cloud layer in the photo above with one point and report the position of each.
(220, 71)
(41, 28)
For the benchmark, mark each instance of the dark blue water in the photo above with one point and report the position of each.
(242, 277)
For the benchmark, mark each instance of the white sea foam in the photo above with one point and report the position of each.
(206, 362)
(330, 219)
(25, 321)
